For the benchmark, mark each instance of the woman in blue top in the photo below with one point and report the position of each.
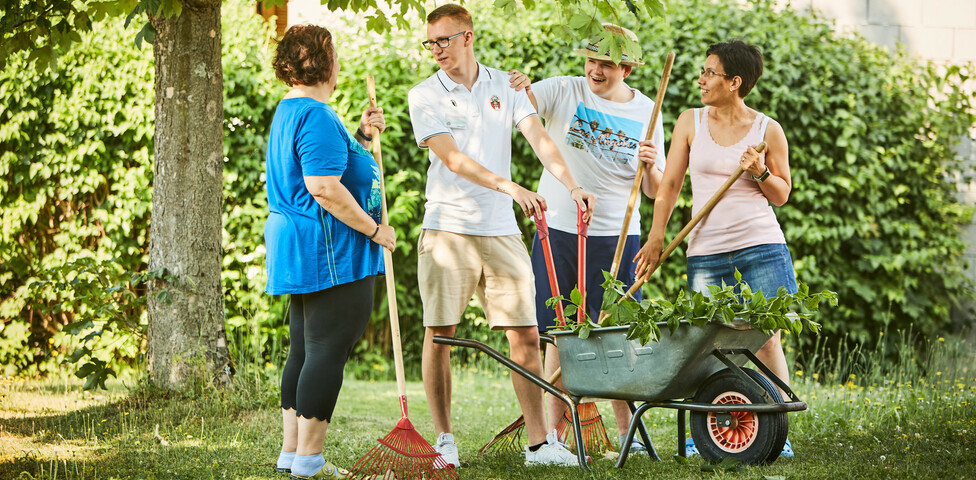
(324, 240)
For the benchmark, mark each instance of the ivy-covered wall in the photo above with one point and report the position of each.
(872, 215)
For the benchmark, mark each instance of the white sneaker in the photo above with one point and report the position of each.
(447, 447)
(551, 453)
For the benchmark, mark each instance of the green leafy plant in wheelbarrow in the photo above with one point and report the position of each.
(791, 312)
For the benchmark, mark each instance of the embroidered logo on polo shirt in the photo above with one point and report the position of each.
(495, 102)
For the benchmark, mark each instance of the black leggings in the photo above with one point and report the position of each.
(325, 327)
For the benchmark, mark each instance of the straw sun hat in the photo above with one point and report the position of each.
(592, 49)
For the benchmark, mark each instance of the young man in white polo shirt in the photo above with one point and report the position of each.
(600, 124)
(471, 243)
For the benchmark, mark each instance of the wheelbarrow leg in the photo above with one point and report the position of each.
(681, 433)
(651, 451)
(578, 434)
(635, 423)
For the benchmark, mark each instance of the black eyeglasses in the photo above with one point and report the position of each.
(712, 73)
(441, 42)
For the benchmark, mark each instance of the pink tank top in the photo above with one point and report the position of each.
(743, 217)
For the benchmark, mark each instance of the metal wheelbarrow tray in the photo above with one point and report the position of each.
(735, 412)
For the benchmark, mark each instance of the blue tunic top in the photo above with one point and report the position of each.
(308, 249)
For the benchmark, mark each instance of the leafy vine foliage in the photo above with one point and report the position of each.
(873, 216)
(789, 312)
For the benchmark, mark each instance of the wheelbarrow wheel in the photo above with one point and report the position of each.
(751, 437)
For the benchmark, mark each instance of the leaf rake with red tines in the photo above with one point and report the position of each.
(594, 433)
(508, 440)
(403, 453)
(595, 437)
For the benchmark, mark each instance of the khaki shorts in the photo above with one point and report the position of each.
(451, 267)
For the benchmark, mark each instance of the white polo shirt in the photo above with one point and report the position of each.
(480, 121)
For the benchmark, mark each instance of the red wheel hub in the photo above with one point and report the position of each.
(740, 432)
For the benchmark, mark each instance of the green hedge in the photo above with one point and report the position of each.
(874, 214)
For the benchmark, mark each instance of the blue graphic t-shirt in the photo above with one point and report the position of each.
(308, 249)
(599, 140)
(608, 138)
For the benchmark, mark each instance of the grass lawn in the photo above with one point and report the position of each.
(884, 422)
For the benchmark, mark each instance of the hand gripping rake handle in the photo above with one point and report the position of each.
(635, 191)
(388, 263)
(543, 230)
(691, 225)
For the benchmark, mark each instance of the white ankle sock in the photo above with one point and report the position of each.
(285, 459)
(307, 465)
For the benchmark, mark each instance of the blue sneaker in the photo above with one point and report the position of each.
(787, 450)
(690, 449)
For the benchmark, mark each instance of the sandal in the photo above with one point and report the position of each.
(327, 471)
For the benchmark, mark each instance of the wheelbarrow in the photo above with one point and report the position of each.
(735, 412)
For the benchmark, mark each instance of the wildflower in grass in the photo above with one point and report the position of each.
(942, 339)
(799, 373)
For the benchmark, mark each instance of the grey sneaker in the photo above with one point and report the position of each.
(551, 453)
(636, 446)
(447, 447)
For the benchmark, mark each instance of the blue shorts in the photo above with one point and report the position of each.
(763, 267)
(599, 256)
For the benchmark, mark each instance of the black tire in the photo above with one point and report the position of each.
(754, 438)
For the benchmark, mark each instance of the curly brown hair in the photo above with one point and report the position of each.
(305, 56)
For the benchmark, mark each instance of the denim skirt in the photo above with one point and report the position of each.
(763, 267)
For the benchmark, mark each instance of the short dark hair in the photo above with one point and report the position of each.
(451, 10)
(305, 56)
(739, 59)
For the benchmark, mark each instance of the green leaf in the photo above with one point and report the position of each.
(576, 297)
(86, 370)
(579, 20)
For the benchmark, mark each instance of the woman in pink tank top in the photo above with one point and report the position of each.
(741, 232)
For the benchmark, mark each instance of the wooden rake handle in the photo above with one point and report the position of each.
(638, 178)
(388, 259)
(691, 225)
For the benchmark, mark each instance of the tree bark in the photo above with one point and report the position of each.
(187, 340)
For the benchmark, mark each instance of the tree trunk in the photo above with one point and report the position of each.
(187, 340)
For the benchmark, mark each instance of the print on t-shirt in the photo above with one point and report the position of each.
(374, 202)
(606, 137)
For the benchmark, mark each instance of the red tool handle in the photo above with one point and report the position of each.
(581, 228)
(542, 228)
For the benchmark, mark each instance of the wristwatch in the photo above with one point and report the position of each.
(763, 177)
